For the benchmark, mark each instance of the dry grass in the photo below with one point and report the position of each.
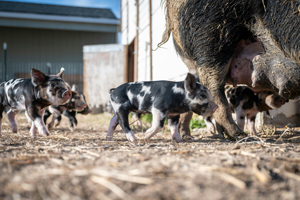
(83, 165)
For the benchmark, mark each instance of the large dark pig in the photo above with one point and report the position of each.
(162, 99)
(34, 96)
(253, 42)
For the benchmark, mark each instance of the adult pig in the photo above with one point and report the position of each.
(34, 96)
(253, 42)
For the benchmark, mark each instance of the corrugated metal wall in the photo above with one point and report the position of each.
(34, 48)
(73, 71)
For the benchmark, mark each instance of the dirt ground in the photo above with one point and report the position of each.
(83, 165)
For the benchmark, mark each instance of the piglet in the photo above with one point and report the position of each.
(34, 96)
(162, 99)
(246, 104)
(77, 104)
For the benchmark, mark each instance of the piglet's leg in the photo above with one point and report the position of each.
(251, 124)
(173, 125)
(158, 119)
(123, 121)
(55, 115)
(57, 122)
(35, 115)
(112, 126)
(240, 117)
(11, 114)
(1, 116)
(33, 130)
(209, 125)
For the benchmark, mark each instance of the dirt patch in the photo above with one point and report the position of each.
(83, 165)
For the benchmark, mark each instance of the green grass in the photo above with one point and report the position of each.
(195, 122)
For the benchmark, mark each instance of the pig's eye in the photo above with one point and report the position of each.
(203, 96)
(52, 85)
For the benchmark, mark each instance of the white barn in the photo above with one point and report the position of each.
(141, 37)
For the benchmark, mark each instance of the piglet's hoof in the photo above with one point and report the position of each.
(45, 134)
(131, 137)
(177, 140)
(109, 138)
(189, 138)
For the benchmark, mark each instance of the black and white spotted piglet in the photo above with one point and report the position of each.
(34, 96)
(76, 104)
(162, 99)
(246, 104)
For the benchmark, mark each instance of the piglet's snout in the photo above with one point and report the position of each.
(215, 107)
(67, 94)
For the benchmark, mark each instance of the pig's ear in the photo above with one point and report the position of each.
(190, 83)
(68, 86)
(60, 74)
(37, 77)
(74, 87)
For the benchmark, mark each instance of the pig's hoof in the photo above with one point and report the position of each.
(188, 137)
(178, 140)
(108, 138)
(46, 133)
(131, 137)
(72, 129)
(32, 134)
(15, 130)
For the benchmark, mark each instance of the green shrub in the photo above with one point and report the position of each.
(197, 123)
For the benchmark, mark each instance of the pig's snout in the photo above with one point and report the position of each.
(282, 101)
(215, 108)
(67, 94)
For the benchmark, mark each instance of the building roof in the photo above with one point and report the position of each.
(48, 9)
(46, 16)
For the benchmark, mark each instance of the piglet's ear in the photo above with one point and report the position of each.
(74, 87)
(37, 77)
(60, 74)
(190, 83)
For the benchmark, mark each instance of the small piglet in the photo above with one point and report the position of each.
(71, 115)
(34, 96)
(162, 99)
(246, 104)
(77, 103)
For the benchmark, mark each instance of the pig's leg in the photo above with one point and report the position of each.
(240, 117)
(112, 126)
(158, 119)
(11, 114)
(1, 116)
(173, 125)
(223, 114)
(58, 120)
(72, 121)
(184, 124)
(36, 116)
(55, 116)
(46, 116)
(33, 130)
(251, 124)
(215, 82)
(28, 118)
(124, 123)
(137, 119)
(209, 125)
